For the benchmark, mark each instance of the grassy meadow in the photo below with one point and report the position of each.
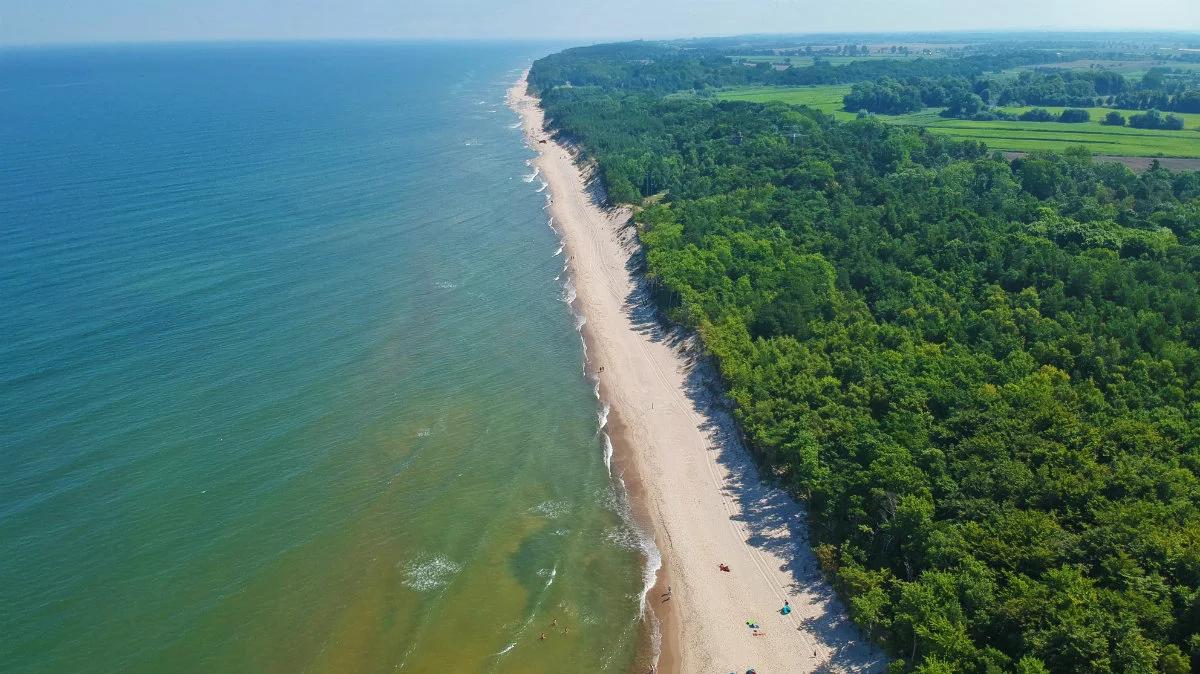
(1003, 135)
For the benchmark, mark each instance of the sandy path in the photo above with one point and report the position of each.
(695, 483)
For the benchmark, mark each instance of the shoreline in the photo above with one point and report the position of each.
(660, 638)
(689, 481)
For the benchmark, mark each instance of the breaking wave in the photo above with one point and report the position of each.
(425, 575)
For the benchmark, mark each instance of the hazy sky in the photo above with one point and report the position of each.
(35, 21)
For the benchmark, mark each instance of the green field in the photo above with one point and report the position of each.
(1001, 135)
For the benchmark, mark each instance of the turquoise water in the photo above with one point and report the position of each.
(287, 381)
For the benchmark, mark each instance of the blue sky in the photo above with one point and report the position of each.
(41, 21)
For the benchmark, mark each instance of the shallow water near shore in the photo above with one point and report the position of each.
(288, 380)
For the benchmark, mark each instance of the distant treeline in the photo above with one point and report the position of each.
(967, 97)
(982, 376)
(662, 68)
(1087, 88)
(975, 98)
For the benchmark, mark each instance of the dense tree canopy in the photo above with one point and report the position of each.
(1158, 88)
(1153, 119)
(969, 94)
(885, 96)
(665, 67)
(982, 376)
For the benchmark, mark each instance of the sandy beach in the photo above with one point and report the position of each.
(691, 481)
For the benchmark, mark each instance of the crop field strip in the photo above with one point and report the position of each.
(1004, 135)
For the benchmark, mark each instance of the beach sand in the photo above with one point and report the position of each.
(691, 481)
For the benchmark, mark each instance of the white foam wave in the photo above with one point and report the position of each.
(425, 575)
(634, 537)
(506, 649)
(549, 574)
(446, 285)
(645, 543)
(515, 125)
(537, 170)
(569, 295)
(558, 252)
(551, 509)
(543, 187)
(424, 433)
(622, 537)
(608, 454)
(602, 416)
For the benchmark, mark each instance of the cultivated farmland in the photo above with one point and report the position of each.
(1005, 135)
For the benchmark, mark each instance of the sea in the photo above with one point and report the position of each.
(289, 379)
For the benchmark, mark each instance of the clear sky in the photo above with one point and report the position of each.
(39, 21)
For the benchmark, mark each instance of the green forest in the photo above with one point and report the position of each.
(982, 376)
(971, 99)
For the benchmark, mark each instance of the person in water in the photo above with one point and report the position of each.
(543, 637)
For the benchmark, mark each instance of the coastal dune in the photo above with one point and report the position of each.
(692, 483)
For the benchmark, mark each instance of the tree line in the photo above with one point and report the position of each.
(1158, 88)
(975, 98)
(663, 68)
